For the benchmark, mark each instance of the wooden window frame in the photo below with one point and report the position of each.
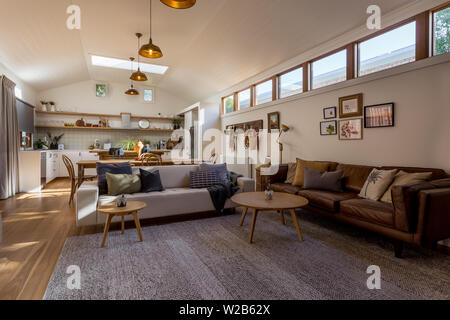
(273, 79)
(278, 76)
(238, 104)
(234, 102)
(323, 56)
(432, 12)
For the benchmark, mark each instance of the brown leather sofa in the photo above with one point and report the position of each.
(419, 214)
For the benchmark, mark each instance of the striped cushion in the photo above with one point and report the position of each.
(203, 179)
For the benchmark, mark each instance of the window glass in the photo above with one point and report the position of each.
(264, 92)
(291, 83)
(441, 31)
(148, 95)
(228, 103)
(388, 50)
(329, 70)
(244, 99)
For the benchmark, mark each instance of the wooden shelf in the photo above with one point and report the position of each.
(102, 115)
(110, 129)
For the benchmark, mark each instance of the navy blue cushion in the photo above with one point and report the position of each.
(203, 179)
(220, 169)
(103, 168)
(150, 181)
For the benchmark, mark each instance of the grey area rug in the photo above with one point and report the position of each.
(211, 259)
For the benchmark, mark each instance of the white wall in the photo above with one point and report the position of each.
(29, 94)
(80, 97)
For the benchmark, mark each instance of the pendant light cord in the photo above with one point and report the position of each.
(150, 19)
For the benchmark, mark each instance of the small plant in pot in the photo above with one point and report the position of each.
(54, 141)
(176, 124)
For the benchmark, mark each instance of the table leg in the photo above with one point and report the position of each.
(252, 228)
(244, 213)
(105, 232)
(80, 174)
(138, 225)
(123, 224)
(294, 218)
(282, 217)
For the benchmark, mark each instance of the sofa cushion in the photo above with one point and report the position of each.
(122, 184)
(220, 169)
(372, 211)
(292, 168)
(321, 166)
(435, 173)
(204, 179)
(354, 176)
(172, 176)
(150, 181)
(103, 168)
(331, 181)
(377, 183)
(285, 187)
(403, 178)
(326, 200)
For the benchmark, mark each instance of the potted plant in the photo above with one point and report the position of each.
(176, 124)
(54, 141)
(40, 145)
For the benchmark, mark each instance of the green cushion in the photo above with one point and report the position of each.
(123, 184)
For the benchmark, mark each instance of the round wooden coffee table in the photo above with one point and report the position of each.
(280, 202)
(111, 210)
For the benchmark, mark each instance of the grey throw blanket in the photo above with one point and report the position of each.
(221, 192)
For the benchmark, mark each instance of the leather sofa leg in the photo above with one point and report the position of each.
(398, 248)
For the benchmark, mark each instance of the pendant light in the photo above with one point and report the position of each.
(150, 50)
(132, 91)
(138, 75)
(179, 4)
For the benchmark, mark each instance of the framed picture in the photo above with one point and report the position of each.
(100, 90)
(350, 129)
(273, 120)
(329, 113)
(351, 106)
(328, 128)
(379, 116)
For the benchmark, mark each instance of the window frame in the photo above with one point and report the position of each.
(431, 24)
(274, 90)
(234, 103)
(323, 56)
(238, 100)
(279, 75)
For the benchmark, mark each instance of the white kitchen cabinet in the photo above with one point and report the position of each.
(75, 157)
(52, 165)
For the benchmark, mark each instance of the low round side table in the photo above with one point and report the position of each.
(281, 201)
(111, 210)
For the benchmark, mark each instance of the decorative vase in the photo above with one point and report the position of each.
(121, 202)
(269, 194)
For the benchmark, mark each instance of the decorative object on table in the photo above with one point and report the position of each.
(52, 106)
(273, 120)
(379, 116)
(138, 147)
(100, 90)
(176, 124)
(328, 128)
(351, 106)
(54, 141)
(179, 4)
(284, 129)
(43, 106)
(330, 113)
(61, 147)
(268, 194)
(138, 75)
(150, 50)
(350, 129)
(126, 119)
(80, 123)
(144, 124)
(121, 202)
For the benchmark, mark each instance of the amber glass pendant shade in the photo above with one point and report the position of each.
(150, 51)
(132, 91)
(179, 4)
(138, 76)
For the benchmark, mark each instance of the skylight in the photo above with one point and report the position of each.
(125, 65)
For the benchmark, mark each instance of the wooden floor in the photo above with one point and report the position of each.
(34, 229)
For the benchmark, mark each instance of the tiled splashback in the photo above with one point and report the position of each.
(81, 139)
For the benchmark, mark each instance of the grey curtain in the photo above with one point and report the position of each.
(9, 140)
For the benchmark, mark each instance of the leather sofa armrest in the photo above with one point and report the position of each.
(434, 215)
(246, 184)
(278, 174)
(86, 204)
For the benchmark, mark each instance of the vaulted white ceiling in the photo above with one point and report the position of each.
(208, 48)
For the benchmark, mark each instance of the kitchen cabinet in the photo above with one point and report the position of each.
(52, 165)
(76, 156)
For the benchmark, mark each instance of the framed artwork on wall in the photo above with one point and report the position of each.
(100, 90)
(350, 129)
(351, 106)
(329, 113)
(328, 128)
(273, 120)
(379, 116)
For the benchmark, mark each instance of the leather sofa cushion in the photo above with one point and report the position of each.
(354, 176)
(369, 210)
(327, 200)
(299, 178)
(436, 173)
(285, 187)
